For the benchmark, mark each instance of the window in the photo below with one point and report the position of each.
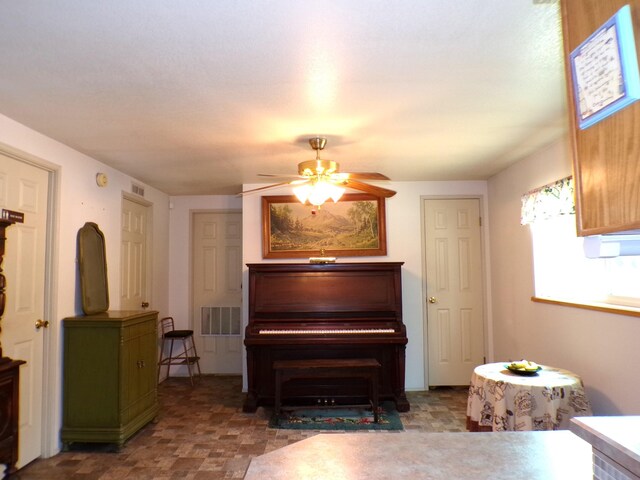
(621, 279)
(561, 269)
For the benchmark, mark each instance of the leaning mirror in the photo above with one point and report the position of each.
(92, 261)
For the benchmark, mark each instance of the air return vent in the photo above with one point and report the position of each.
(137, 189)
(220, 320)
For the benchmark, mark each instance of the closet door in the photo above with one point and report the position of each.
(25, 188)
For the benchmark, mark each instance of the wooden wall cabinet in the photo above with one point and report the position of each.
(606, 156)
(110, 375)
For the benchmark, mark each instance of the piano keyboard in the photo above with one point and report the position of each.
(339, 331)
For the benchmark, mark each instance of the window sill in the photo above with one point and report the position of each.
(599, 307)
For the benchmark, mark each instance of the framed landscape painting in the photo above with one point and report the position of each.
(352, 227)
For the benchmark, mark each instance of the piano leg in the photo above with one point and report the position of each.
(400, 397)
(250, 404)
(402, 404)
(278, 400)
(251, 401)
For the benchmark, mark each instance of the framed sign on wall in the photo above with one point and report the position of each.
(604, 70)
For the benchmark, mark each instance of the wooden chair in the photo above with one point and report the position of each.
(187, 355)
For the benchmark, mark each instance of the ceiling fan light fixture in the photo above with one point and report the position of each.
(336, 192)
(320, 180)
(320, 172)
(311, 168)
(302, 192)
(318, 193)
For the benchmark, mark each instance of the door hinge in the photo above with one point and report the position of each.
(480, 221)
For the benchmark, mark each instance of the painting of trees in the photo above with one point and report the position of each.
(351, 226)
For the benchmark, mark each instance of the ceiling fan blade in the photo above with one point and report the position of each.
(366, 176)
(280, 175)
(263, 188)
(365, 187)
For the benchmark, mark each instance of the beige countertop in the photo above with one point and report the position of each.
(617, 437)
(435, 456)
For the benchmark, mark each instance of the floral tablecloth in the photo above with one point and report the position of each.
(500, 400)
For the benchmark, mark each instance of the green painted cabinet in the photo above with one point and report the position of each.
(109, 384)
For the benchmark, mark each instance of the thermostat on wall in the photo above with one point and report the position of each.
(101, 179)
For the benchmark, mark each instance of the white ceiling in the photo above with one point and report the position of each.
(198, 96)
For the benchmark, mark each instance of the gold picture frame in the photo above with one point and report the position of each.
(353, 227)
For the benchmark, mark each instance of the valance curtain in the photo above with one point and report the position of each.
(548, 201)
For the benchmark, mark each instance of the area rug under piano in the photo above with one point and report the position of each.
(338, 419)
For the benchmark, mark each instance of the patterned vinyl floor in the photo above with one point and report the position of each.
(201, 433)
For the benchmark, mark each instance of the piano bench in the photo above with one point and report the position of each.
(366, 368)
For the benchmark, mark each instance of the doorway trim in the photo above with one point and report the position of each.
(486, 286)
(51, 368)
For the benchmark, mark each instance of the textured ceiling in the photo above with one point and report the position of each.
(198, 96)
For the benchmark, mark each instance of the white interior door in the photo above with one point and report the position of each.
(217, 291)
(24, 188)
(133, 255)
(455, 290)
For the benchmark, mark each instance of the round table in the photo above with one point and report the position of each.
(500, 400)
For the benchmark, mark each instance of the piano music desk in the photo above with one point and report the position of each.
(366, 368)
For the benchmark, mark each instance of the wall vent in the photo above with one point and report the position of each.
(220, 321)
(137, 189)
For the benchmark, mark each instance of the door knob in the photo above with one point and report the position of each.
(145, 304)
(432, 300)
(41, 324)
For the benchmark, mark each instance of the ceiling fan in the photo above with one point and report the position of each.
(320, 180)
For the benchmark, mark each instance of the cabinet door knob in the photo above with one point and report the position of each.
(42, 324)
(145, 305)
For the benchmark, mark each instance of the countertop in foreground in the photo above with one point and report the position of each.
(434, 456)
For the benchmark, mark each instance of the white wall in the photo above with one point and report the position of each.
(404, 244)
(600, 347)
(80, 200)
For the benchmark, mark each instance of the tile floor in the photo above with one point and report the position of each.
(201, 433)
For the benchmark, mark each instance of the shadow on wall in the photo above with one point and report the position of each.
(601, 404)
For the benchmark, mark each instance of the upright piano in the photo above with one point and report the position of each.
(325, 311)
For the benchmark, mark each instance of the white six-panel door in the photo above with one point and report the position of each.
(217, 291)
(133, 255)
(24, 188)
(455, 318)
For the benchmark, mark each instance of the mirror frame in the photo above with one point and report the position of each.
(92, 262)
